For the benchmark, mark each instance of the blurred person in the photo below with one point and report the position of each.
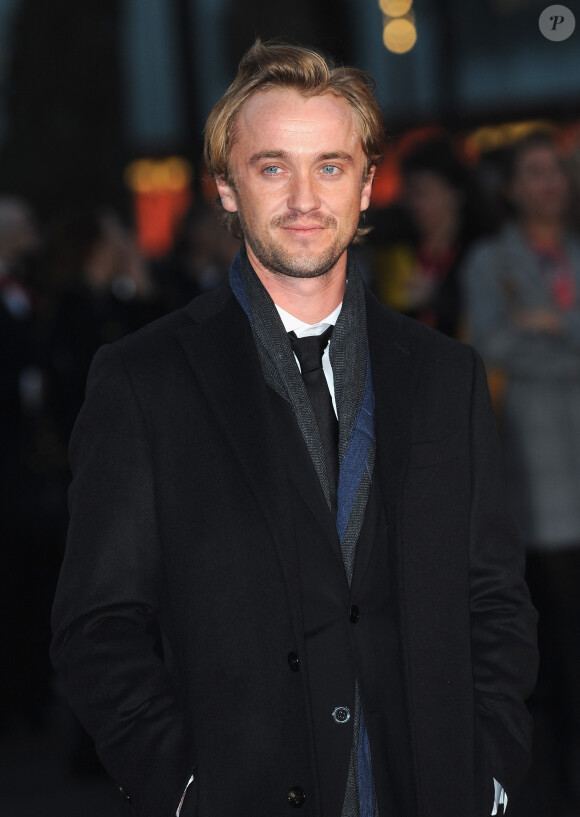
(18, 234)
(25, 564)
(19, 241)
(200, 260)
(440, 214)
(103, 291)
(18, 305)
(523, 302)
(572, 167)
(290, 581)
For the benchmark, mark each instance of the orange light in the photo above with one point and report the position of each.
(387, 181)
(162, 196)
(208, 187)
(493, 137)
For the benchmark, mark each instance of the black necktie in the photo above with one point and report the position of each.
(309, 352)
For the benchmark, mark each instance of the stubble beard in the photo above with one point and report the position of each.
(278, 260)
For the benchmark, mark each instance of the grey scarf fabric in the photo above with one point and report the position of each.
(356, 446)
(349, 360)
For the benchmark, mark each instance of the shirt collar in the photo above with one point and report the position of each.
(302, 329)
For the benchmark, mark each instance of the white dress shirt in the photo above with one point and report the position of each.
(305, 330)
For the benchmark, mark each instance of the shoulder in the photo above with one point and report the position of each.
(422, 374)
(391, 331)
(153, 347)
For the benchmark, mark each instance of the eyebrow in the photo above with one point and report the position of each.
(267, 154)
(282, 154)
(338, 154)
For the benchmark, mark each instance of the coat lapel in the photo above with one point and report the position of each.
(302, 474)
(394, 372)
(222, 354)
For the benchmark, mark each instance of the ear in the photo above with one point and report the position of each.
(227, 196)
(365, 196)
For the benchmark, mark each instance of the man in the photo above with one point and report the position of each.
(259, 611)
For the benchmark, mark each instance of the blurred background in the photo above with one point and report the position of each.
(107, 222)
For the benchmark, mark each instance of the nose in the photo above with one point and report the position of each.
(302, 195)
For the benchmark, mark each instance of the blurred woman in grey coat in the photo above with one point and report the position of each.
(522, 296)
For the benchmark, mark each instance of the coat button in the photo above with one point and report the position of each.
(296, 797)
(294, 661)
(354, 614)
(341, 714)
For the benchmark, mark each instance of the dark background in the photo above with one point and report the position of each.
(88, 87)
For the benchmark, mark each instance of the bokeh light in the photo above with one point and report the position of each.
(399, 35)
(395, 8)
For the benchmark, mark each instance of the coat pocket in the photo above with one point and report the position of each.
(436, 452)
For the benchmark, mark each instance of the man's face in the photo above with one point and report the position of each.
(296, 170)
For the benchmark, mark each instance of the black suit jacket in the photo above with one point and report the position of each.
(178, 603)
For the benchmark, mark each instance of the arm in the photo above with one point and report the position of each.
(519, 339)
(503, 636)
(107, 638)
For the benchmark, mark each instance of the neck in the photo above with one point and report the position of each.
(543, 232)
(308, 299)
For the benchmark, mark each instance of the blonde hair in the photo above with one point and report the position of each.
(280, 65)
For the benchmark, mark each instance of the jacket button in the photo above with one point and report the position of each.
(341, 714)
(294, 661)
(354, 614)
(296, 797)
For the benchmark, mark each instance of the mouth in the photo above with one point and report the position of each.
(309, 226)
(303, 230)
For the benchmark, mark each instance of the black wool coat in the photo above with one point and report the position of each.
(178, 602)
